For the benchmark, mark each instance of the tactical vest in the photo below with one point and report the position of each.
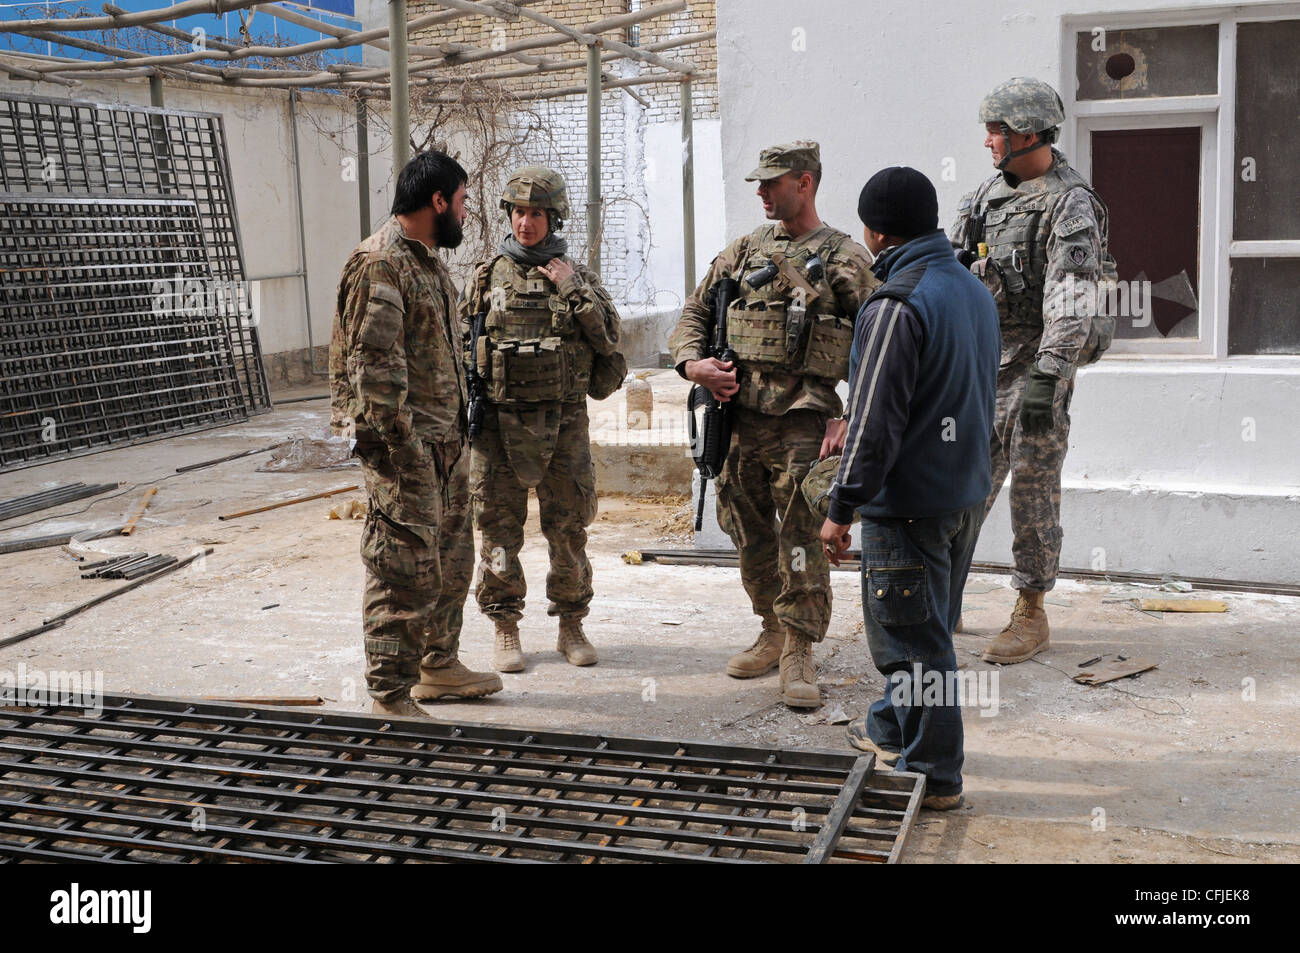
(533, 350)
(776, 327)
(1016, 234)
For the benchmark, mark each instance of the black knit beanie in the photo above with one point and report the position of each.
(899, 201)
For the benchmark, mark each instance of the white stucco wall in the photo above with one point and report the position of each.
(1162, 474)
(663, 182)
(261, 158)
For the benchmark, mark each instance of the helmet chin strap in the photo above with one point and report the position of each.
(1008, 154)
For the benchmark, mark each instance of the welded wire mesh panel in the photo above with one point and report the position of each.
(170, 781)
(64, 147)
(110, 328)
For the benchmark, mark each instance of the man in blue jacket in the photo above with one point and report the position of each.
(915, 466)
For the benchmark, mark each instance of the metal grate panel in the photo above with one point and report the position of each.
(65, 147)
(102, 339)
(162, 780)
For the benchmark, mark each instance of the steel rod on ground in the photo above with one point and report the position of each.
(299, 499)
(46, 499)
(228, 457)
(129, 528)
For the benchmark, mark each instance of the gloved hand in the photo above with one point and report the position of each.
(1036, 406)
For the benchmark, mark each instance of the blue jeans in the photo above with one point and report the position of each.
(913, 574)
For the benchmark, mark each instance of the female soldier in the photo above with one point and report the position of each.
(544, 324)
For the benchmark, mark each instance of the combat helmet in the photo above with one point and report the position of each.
(539, 187)
(1025, 105)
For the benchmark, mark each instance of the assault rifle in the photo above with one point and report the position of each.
(474, 382)
(711, 437)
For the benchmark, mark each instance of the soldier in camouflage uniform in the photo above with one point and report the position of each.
(1035, 233)
(548, 324)
(397, 385)
(792, 334)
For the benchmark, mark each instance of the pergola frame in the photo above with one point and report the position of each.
(392, 82)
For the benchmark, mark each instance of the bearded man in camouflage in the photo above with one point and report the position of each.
(397, 385)
(548, 339)
(1035, 233)
(801, 285)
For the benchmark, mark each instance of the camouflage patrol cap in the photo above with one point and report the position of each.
(538, 187)
(1025, 104)
(816, 486)
(802, 155)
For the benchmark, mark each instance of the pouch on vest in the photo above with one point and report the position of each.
(528, 371)
(608, 371)
(757, 333)
(829, 344)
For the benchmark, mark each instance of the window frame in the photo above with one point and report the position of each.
(1216, 114)
(1208, 276)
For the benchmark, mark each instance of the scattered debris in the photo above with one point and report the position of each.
(348, 510)
(309, 453)
(632, 557)
(1182, 605)
(143, 505)
(1176, 585)
(835, 716)
(1120, 667)
(296, 499)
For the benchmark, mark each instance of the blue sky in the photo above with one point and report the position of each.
(263, 27)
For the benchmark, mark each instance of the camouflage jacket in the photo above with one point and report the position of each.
(1046, 236)
(395, 356)
(773, 391)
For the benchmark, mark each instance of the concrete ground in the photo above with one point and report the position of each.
(1196, 761)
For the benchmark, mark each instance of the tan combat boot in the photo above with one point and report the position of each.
(573, 643)
(1025, 635)
(798, 674)
(761, 657)
(454, 681)
(507, 656)
(402, 706)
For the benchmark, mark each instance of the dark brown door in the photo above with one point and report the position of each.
(1150, 181)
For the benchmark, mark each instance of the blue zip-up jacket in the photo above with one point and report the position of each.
(923, 377)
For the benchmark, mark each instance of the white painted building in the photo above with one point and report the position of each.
(1185, 446)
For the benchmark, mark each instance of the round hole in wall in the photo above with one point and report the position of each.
(1120, 65)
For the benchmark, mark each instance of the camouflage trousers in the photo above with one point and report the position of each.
(782, 564)
(418, 548)
(1035, 463)
(555, 457)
